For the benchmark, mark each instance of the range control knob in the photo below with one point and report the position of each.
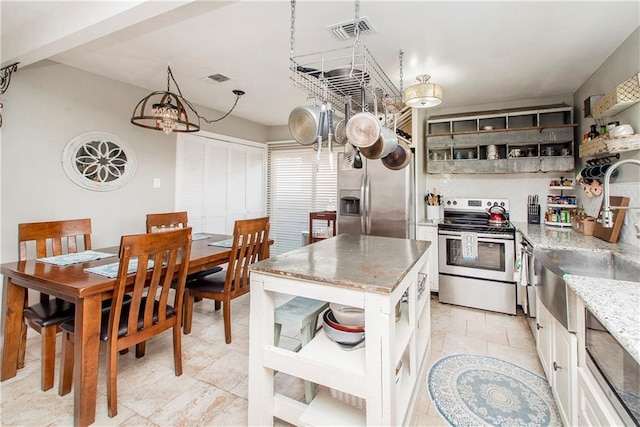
(448, 202)
(489, 203)
(502, 204)
(455, 202)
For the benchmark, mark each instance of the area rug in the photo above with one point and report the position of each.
(471, 390)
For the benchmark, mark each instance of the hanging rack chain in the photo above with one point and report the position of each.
(356, 30)
(401, 54)
(293, 27)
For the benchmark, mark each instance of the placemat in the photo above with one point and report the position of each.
(111, 270)
(200, 236)
(75, 258)
(223, 243)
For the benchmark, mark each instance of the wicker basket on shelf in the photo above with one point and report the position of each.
(619, 98)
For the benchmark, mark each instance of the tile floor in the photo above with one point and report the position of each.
(213, 387)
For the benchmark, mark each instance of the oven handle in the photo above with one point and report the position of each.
(484, 236)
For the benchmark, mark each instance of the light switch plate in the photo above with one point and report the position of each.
(156, 182)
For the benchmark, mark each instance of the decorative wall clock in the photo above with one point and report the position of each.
(99, 161)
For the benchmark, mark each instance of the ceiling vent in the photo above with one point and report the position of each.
(219, 78)
(347, 30)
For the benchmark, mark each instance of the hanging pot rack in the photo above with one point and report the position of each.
(343, 76)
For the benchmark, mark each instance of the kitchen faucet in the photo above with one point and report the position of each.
(607, 215)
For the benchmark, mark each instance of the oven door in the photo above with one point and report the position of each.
(495, 260)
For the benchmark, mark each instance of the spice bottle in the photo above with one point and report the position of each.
(593, 133)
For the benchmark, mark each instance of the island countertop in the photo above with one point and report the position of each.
(371, 263)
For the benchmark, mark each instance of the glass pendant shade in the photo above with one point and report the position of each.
(423, 94)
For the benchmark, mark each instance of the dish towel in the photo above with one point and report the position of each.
(524, 275)
(469, 246)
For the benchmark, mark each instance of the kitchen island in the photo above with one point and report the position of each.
(383, 377)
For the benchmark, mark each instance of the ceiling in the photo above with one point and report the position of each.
(480, 52)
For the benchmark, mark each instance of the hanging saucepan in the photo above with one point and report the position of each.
(386, 144)
(304, 122)
(398, 158)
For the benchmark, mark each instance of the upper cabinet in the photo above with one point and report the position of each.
(536, 139)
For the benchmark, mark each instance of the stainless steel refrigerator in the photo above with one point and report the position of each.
(376, 200)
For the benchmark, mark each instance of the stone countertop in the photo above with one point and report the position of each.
(371, 263)
(616, 303)
(543, 236)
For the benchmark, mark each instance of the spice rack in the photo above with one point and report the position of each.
(560, 208)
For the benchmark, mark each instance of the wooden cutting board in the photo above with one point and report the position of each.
(611, 234)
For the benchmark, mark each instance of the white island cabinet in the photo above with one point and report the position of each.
(362, 271)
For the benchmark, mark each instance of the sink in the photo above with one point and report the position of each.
(552, 264)
(591, 264)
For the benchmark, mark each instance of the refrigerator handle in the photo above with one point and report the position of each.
(363, 204)
(367, 204)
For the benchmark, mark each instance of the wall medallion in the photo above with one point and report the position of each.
(99, 161)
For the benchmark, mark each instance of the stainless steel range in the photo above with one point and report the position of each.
(477, 254)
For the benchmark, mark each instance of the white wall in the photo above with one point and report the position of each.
(621, 65)
(49, 104)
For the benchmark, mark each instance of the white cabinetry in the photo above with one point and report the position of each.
(558, 350)
(368, 373)
(219, 181)
(594, 409)
(430, 233)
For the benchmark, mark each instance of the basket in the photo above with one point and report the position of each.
(594, 147)
(359, 402)
(352, 400)
(619, 98)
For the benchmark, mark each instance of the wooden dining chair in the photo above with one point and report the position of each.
(158, 222)
(153, 308)
(250, 243)
(49, 238)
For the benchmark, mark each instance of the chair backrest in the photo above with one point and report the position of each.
(250, 244)
(166, 221)
(168, 255)
(54, 237)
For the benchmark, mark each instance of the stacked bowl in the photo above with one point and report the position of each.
(344, 324)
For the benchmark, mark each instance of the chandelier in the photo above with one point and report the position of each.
(423, 94)
(171, 112)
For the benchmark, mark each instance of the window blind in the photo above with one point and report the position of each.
(295, 188)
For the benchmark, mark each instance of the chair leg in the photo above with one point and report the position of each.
(226, 313)
(177, 349)
(66, 365)
(140, 349)
(112, 379)
(217, 305)
(187, 313)
(48, 356)
(22, 347)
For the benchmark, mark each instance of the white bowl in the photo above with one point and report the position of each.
(341, 337)
(622, 130)
(487, 128)
(347, 315)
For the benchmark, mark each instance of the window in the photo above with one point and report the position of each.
(295, 188)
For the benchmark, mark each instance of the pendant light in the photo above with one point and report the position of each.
(423, 94)
(171, 112)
